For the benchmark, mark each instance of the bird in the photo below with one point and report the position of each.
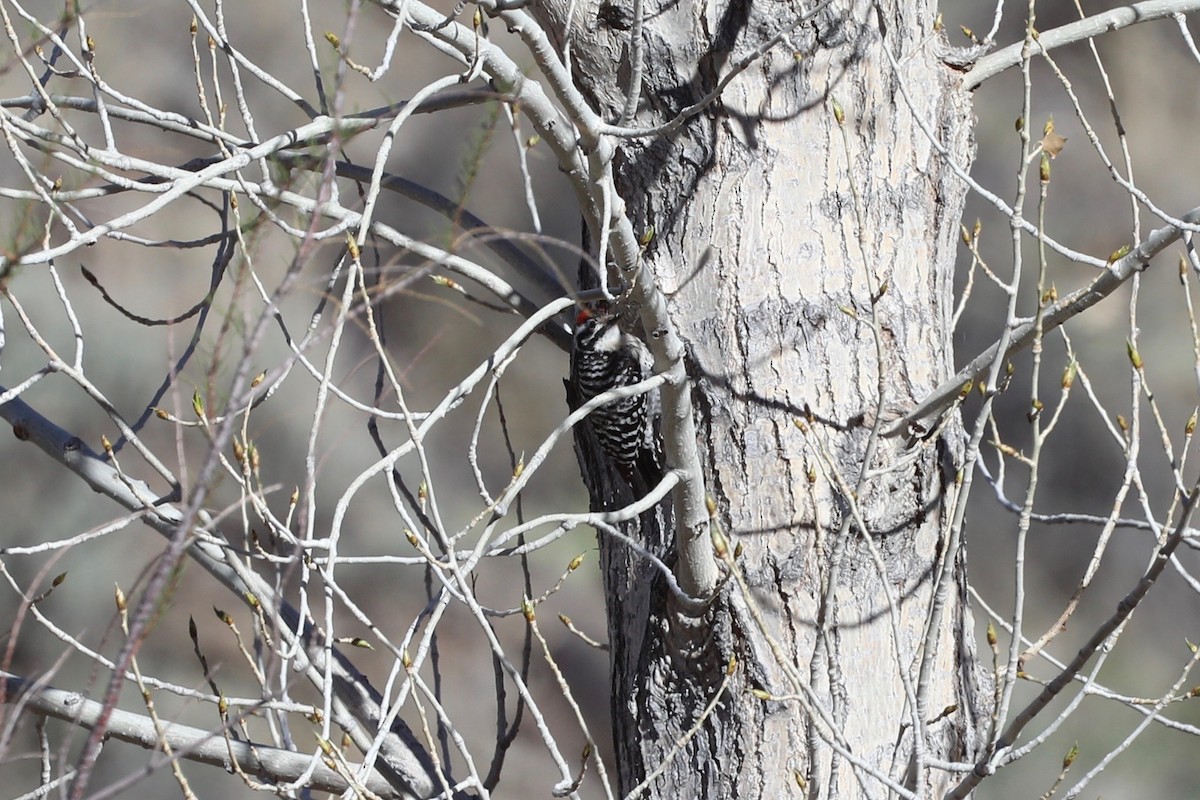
(605, 357)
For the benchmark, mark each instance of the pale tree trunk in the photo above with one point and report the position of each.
(808, 267)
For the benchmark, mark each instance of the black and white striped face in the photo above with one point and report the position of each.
(598, 333)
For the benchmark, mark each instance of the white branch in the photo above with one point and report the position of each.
(995, 63)
(194, 744)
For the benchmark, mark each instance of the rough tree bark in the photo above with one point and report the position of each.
(808, 264)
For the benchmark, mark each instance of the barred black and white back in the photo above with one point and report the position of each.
(604, 357)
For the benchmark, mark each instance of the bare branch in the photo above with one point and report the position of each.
(1095, 25)
(404, 761)
(924, 416)
(213, 747)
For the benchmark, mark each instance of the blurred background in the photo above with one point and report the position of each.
(435, 337)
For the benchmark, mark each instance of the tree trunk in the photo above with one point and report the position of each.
(808, 265)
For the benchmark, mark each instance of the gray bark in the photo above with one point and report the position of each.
(763, 250)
